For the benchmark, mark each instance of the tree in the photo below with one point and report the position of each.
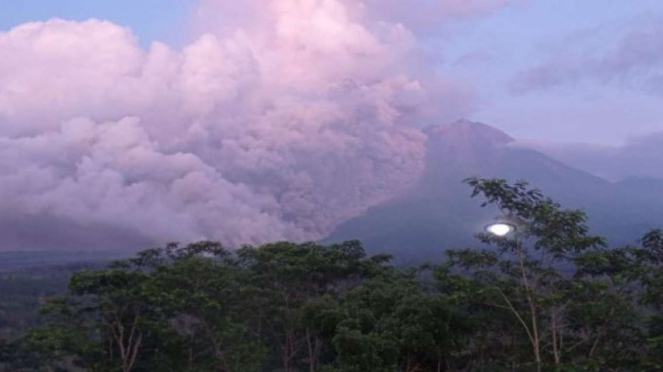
(392, 322)
(168, 309)
(550, 296)
(105, 322)
(200, 293)
(285, 281)
(528, 274)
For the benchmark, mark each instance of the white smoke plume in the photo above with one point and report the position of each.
(280, 125)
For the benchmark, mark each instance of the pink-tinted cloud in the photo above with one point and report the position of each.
(279, 127)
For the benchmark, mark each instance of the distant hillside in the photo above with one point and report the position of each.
(438, 213)
(18, 260)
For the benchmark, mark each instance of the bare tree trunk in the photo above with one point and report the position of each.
(128, 347)
(312, 348)
(285, 355)
(535, 331)
(536, 343)
(553, 329)
(288, 350)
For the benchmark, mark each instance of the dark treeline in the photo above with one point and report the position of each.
(549, 297)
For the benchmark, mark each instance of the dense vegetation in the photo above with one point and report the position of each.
(549, 297)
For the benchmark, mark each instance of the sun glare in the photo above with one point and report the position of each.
(500, 229)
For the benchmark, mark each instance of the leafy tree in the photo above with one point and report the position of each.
(394, 323)
(166, 308)
(286, 280)
(550, 296)
(199, 291)
(527, 273)
(105, 323)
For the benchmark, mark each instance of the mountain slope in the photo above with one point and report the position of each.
(439, 214)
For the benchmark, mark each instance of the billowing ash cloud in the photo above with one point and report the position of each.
(279, 127)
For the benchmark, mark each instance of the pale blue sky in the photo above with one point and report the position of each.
(517, 38)
(487, 52)
(149, 19)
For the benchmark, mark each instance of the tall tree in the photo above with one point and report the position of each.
(528, 273)
(286, 279)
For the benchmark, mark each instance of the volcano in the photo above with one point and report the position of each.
(438, 213)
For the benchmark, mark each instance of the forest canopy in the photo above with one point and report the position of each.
(550, 296)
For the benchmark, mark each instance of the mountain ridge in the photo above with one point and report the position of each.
(438, 212)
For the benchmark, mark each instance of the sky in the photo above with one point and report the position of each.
(519, 39)
(264, 120)
(149, 19)
(487, 50)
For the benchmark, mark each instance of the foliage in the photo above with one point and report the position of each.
(548, 297)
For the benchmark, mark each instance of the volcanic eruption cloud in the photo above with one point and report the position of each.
(279, 120)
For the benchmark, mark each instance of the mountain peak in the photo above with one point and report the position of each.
(469, 132)
(462, 149)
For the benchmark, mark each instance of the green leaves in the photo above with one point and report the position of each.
(531, 275)
(391, 323)
(549, 296)
(517, 199)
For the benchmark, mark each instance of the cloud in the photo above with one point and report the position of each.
(636, 158)
(416, 15)
(430, 15)
(279, 127)
(633, 59)
(477, 58)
